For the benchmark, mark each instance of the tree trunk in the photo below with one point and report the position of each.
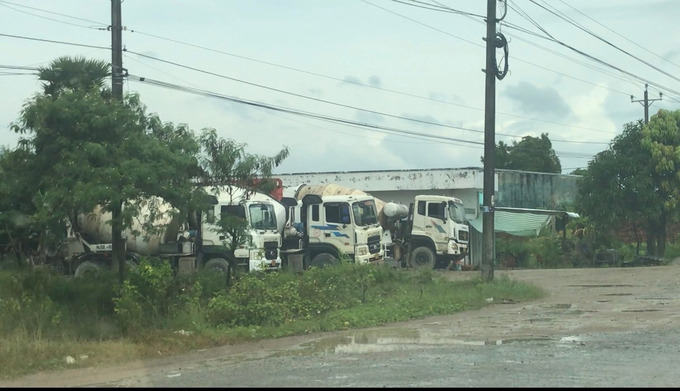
(656, 236)
(651, 239)
(638, 240)
(118, 258)
(661, 237)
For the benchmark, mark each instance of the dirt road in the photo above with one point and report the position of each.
(633, 305)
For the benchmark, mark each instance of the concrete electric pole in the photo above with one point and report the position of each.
(117, 91)
(493, 41)
(646, 102)
(116, 50)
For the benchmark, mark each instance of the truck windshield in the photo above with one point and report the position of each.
(262, 216)
(457, 212)
(365, 213)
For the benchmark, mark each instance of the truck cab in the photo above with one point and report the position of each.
(441, 219)
(263, 215)
(433, 231)
(329, 227)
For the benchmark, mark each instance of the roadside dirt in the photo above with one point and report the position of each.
(580, 301)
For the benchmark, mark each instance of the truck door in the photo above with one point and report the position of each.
(431, 219)
(333, 225)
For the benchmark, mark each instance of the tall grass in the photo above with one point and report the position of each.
(48, 317)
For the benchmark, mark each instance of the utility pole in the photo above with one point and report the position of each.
(646, 102)
(118, 246)
(493, 41)
(116, 50)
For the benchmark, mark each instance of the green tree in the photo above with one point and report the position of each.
(631, 184)
(530, 154)
(613, 191)
(226, 162)
(225, 166)
(73, 73)
(661, 138)
(83, 148)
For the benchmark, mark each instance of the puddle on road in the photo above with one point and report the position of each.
(398, 340)
(602, 285)
(642, 310)
(556, 305)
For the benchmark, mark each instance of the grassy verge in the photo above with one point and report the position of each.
(97, 321)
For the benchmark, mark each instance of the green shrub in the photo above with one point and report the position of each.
(152, 310)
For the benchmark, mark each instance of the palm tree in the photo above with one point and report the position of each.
(77, 73)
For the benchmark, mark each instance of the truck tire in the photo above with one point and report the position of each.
(87, 269)
(131, 264)
(422, 257)
(91, 267)
(219, 265)
(323, 259)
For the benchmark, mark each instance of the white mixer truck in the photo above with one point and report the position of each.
(190, 241)
(431, 232)
(324, 227)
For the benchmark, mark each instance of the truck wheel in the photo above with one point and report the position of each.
(323, 259)
(422, 257)
(219, 265)
(131, 261)
(87, 269)
(131, 264)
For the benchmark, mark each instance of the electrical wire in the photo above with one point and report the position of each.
(108, 48)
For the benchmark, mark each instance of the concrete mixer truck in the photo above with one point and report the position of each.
(190, 241)
(321, 228)
(431, 232)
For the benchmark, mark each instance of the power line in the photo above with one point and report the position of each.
(437, 7)
(381, 129)
(347, 81)
(320, 100)
(303, 96)
(7, 5)
(53, 41)
(609, 43)
(359, 109)
(356, 108)
(634, 43)
(286, 110)
(528, 62)
(591, 57)
(386, 89)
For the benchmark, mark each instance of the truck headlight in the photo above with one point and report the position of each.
(362, 251)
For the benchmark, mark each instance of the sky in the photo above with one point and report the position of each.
(364, 85)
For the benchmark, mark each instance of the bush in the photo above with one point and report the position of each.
(153, 295)
(272, 299)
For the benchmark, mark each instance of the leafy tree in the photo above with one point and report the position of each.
(530, 154)
(661, 138)
(225, 166)
(634, 182)
(85, 148)
(613, 192)
(226, 162)
(69, 74)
